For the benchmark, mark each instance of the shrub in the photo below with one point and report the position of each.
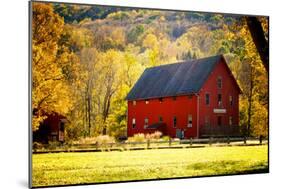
(156, 135)
(104, 139)
(139, 137)
(53, 145)
(101, 139)
(37, 145)
(87, 140)
(176, 139)
(165, 138)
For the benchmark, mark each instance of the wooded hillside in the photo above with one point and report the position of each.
(87, 58)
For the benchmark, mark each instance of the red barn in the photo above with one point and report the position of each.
(191, 99)
(51, 129)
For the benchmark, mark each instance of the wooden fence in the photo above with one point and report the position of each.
(149, 144)
(221, 131)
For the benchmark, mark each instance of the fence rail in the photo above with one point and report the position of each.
(223, 130)
(149, 144)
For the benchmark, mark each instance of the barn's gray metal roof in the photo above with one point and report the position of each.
(173, 79)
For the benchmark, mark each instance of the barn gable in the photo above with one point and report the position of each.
(174, 79)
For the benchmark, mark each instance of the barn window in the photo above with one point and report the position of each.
(189, 96)
(219, 82)
(62, 126)
(134, 123)
(219, 121)
(145, 122)
(146, 101)
(207, 121)
(219, 100)
(230, 120)
(174, 98)
(207, 99)
(175, 121)
(134, 102)
(230, 100)
(160, 119)
(189, 120)
(160, 100)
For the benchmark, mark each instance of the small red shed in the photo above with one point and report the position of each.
(51, 129)
(192, 99)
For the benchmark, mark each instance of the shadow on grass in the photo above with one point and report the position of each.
(229, 167)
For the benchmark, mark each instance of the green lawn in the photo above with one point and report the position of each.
(94, 167)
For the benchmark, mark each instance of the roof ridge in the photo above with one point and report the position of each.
(186, 61)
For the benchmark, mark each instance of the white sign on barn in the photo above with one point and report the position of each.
(220, 111)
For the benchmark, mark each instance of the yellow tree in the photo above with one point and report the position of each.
(89, 60)
(150, 42)
(76, 43)
(254, 82)
(110, 78)
(157, 49)
(130, 71)
(50, 92)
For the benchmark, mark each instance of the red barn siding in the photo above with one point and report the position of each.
(228, 88)
(49, 130)
(168, 108)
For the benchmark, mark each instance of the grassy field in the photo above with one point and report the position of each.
(94, 167)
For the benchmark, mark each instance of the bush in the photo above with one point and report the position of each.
(87, 140)
(165, 138)
(37, 145)
(53, 145)
(139, 137)
(156, 135)
(104, 139)
(101, 139)
(153, 136)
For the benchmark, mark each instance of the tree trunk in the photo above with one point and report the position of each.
(249, 115)
(259, 39)
(89, 114)
(250, 102)
(86, 111)
(106, 112)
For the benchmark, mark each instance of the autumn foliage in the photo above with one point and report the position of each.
(85, 60)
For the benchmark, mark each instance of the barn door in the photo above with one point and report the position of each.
(178, 133)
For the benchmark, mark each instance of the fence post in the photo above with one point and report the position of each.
(148, 143)
(245, 140)
(210, 141)
(228, 140)
(96, 145)
(170, 142)
(260, 139)
(191, 141)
